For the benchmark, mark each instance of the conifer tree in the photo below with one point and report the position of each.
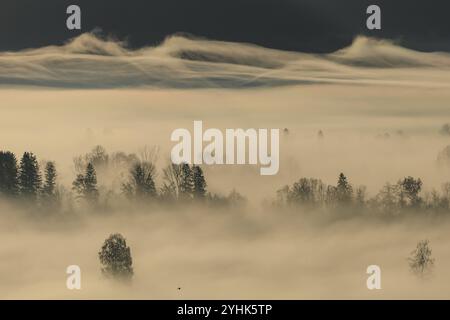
(86, 185)
(141, 183)
(199, 182)
(9, 184)
(50, 174)
(186, 182)
(29, 176)
(344, 190)
(49, 195)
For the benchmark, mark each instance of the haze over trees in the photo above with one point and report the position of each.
(394, 199)
(185, 187)
(135, 178)
(128, 176)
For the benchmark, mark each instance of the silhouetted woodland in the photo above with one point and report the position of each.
(104, 181)
(394, 199)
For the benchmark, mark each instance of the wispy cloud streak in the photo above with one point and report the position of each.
(185, 62)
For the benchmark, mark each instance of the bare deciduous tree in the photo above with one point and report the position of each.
(421, 261)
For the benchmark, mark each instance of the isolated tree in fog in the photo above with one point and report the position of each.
(9, 184)
(115, 257)
(86, 185)
(199, 182)
(141, 182)
(420, 261)
(29, 176)
(344, 190)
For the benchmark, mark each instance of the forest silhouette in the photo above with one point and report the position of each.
(27, 182)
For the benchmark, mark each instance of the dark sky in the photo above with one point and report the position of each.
(302, 25)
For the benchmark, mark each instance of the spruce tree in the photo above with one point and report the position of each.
(199, 182)
(50, 174)
(90, 184)
(186, 182)
(141, 183)
(9, 184)
(344, 190)
(49, 194)
(29, 176)
(86, 185)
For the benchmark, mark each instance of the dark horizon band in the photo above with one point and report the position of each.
(298, 25)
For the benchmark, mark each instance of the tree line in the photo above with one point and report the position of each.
(23, 180)
(134, 177)
(393, 199)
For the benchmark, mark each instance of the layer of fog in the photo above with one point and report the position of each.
(252, 253)
(213, 254)
(377, 132)
(58, 125)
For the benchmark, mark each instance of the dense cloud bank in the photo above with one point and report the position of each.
(187, 62)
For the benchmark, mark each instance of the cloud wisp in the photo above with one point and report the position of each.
(186, 62)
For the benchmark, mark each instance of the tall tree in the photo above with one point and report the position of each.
(49, 195)
(9, 184)
(387, 200)
(186, 182)
(410, 189)
(86, 185)
(170, 190)
(29, 176)
(50, 180)
(360, 197)
(141, 184)
(90, 183)
(344, 190)
(199, 182)
(307, 192)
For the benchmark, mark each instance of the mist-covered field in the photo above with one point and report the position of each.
(218, 255)
(380, 108)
